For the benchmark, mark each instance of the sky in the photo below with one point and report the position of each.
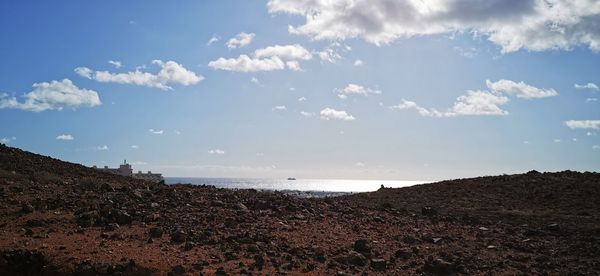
(347, 89)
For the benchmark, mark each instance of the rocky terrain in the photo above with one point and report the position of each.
(59, 218)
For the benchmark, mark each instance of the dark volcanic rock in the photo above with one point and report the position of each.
(179, 236)
(22, 262)
(439, 267)
(155, 232)
(428, 211)
(362, 246)
(177, 270)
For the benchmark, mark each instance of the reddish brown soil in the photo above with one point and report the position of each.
(58, 218)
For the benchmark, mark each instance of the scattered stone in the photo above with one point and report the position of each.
(178, 236)
(26, 208)
(483, 228)
(155, 232)
(362, 246)
(241, 206)
(124, 218)
(355, 258)
(259, 262)
(220, 272)
(87, 219)
(378, 264)
(553, 226)
(111, 227)
(439, 267)
(402, 254)
(177, 270)
(428, 211)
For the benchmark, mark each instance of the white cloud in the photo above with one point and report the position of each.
(556, 140)
(589, 100)
(240, 40)
(355, 89)
(329, 55)
(6, 140)
(102, 148)
(467, 52)
(534, 25)
(216, 151)
(473, 103)
(279, 108)
(155, 131)
(333, 52)
(135, 146)
(302, 99)
(260, 154)
(170, 72)
(595, 147)
(520, 89)
(589, 85)
(307, 114)
(293, 65)
(332, 114)
(278, 57)
(284, 52)
(54, 95)
(212, 40)
(292, 89)
(359, 164)
(589, 133)
(477, 102)
(254, 80)
(583, 124)
(66, 137)
(358, 62)
(246, 64)
(84, 72)
(115, 63)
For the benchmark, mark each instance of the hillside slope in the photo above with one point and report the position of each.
(59, 218)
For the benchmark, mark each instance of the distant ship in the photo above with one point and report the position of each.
(291, 178)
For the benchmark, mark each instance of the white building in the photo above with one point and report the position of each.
(126, 170)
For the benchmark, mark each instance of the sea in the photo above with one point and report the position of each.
(298, 187)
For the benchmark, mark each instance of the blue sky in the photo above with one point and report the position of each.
(313, 89)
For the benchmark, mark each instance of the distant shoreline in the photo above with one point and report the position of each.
(300, 187)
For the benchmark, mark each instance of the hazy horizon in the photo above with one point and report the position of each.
(385, 90)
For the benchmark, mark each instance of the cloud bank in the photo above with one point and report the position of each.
(534, 25)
